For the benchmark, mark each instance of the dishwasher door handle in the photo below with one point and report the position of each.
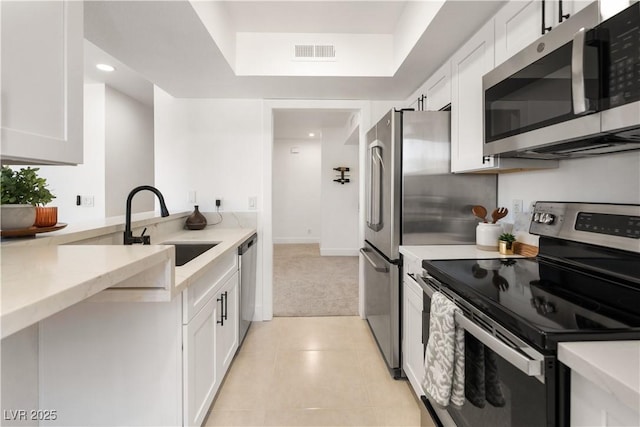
(376, 267)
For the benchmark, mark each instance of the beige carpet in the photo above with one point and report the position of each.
(307, 284)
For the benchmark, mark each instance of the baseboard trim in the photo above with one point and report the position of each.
(338, 252)
(294, 240)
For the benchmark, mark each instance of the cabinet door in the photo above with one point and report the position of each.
(42, 81)
(468, 66)
(517, 25)
(227, 325)
(200, 377)
(569, 8)
(412, 347)
(438, 88)
(592, 405)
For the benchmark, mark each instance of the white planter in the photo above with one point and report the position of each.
(487, 236)
(16, 217)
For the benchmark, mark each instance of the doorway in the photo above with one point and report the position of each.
(315, 212)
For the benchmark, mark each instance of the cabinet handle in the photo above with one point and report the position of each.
(222, 301)
(486, 159)
(544, 27)
(226, 307)
(561, 15)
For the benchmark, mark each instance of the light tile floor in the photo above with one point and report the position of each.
(312, 371)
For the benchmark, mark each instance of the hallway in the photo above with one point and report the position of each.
(307, 284)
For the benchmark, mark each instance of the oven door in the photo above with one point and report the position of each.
(382, 304)
(507, 383)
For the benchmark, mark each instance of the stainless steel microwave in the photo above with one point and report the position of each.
(573, 93)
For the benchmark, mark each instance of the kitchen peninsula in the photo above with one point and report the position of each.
(109, 318)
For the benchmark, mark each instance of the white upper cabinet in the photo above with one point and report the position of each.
(519, 23)
(42, 81)
(438, 88)
(436, 91)
(468, 65)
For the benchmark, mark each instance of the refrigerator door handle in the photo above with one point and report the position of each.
(376, 171)
(376, 267)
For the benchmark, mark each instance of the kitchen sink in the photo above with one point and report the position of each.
(187, 251)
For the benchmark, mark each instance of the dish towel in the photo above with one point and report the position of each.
(481, 381)
(444, 357)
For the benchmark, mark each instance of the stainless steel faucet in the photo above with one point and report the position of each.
(129, 238)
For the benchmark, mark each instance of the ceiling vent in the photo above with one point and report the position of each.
(318, 52)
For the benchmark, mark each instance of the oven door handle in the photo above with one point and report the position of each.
(375, 266)
(530, 367)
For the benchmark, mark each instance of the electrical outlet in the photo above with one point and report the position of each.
(87, 201)
(192, 196)
(253, 202)
(516, 206)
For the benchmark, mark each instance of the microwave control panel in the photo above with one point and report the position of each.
(622, 55)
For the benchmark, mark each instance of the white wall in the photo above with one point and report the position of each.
(339, 207)
(118, 155)
(65, 182)
(210, 146)
(296, 191)
(128, 153)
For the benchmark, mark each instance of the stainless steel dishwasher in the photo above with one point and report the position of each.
(247, 254)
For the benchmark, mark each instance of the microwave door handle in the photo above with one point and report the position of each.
(581, 104)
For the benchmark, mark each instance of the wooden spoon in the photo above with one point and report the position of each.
(480, 212)
(499, 214)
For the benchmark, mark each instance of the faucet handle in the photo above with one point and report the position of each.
(145, 240)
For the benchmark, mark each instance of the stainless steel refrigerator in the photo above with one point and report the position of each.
(411, 199)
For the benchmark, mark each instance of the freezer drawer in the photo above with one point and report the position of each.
(382, 303)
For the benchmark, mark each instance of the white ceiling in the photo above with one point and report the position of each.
(168, 44)
(297, 124)
(373, 17)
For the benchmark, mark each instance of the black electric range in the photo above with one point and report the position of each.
(573, 290)
(584, 285)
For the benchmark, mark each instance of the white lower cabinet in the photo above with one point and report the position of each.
(592, 406)
(141, 363)
(199, 364)
(412, 347)
(227, 325)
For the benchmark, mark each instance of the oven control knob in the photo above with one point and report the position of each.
(548, 218)
(536, 217)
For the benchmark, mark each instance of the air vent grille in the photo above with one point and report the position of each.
(318, 52)
(304, 51)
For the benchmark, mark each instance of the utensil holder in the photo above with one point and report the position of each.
(487, 236)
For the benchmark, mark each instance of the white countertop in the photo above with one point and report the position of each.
(612, 365)
(40, 281)
(229, 238)
(434, 252)
(90, 229)
(42, 276)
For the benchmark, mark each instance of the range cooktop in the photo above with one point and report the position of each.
(544, 302)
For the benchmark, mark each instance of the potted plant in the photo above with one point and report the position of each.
(23, 196)
(505, 243)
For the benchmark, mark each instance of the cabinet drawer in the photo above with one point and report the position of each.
(197, 295)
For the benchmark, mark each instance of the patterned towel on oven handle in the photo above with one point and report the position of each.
(444, 357)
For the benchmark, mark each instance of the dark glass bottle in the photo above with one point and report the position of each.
(196, 221)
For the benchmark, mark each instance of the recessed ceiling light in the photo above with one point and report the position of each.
(311, 134)
(105, 67)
